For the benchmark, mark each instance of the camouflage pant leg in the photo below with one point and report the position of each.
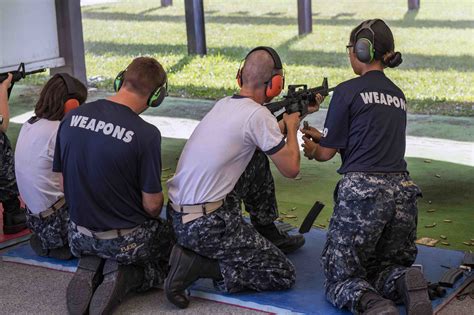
(8, 188)
(148, 246)
(396, 246)
(365, 205)
(257, 190)
(52, 231)
(247, 260)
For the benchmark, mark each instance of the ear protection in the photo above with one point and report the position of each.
(364, 47)
(276, 83)
(155, 98)
(70, 102)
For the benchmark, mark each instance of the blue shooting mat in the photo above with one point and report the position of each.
(307, 297)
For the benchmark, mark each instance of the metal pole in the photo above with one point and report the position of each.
(305, 18)
(70, 37)
(166, 3)
(413, 4)
(195, 27)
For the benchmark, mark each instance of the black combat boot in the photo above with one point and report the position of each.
(285, 242)
(118, 281)
(413, 288)
(62, 253)
(374, 304)
(82, 286)
(187, 267)
(14, 217)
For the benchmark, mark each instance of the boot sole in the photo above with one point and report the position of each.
(173, 262)
(416, 297)
(83, 284)
(111, 292)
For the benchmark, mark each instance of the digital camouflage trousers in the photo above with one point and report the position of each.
(247, 260)
(371, 237)
(148, 246)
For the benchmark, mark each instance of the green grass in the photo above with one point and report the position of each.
(451, 195)
(437, 43)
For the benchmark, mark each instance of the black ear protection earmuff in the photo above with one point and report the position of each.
(276, 83)
(363, 47)
(155, 98)
(70, 102)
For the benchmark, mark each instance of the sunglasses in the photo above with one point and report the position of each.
(348, 47)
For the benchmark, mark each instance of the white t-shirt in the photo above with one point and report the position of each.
(39, 186)
(220, 149)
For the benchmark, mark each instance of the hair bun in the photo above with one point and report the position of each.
(394, 60)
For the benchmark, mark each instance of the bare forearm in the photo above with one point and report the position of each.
(4, 111)
(292, 143)
(323, 154)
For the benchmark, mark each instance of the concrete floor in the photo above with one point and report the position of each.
(33, 290)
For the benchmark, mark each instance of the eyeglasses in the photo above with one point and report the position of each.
(348, 48)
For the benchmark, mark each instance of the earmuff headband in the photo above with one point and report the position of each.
(276, 83)
(70, 102)
(156, 97)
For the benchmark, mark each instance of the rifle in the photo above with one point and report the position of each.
(298, 98)
(17, 75)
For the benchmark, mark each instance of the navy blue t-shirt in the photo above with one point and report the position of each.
(108, 155)
(366, 121)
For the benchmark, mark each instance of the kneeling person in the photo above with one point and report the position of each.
(39, 186)
(111, 162)
(14, 219)
(223, 163)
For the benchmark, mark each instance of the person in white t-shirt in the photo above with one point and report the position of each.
(223, 163)
(40, 188)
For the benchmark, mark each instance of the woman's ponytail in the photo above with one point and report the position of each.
(392, 59)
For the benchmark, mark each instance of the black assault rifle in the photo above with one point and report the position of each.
(17, 75)
(298, 98)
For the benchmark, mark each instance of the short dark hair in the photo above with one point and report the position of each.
(144, 75)
(384, 43)
(53, 96)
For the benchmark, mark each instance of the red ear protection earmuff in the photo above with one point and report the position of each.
(70, 101)
(276, 83)
(70, 105)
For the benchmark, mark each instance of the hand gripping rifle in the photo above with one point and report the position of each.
(17, 75)
(298, 98)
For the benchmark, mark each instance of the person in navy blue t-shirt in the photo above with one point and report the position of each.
(110, 159)
(371, 239)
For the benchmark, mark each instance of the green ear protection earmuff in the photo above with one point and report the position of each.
(156, 97)
(364, 47)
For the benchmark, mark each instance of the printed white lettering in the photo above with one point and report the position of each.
(396, 101)
(100, 125)
(376, 97)
(75, 120)
(382, 99)
(108, 128)
(91, 124)
(389, 99)
(403, 104)
(366, 97)
(325, 132)
(83, 122)
(128, 136)
(118, 132)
